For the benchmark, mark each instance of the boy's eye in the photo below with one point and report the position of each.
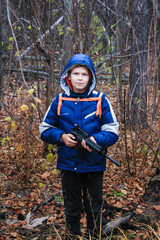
(83, 74)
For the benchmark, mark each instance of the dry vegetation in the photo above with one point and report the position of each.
(36, 39)
(29, 178)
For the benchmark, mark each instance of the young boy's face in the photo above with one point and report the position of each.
(79, 77)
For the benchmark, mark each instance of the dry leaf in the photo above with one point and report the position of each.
(14, 234)
(138, 210)
(147, 172)
(138, 187)
(118, 204)
(31, 91)
(45, 175)
(24, 108)
(124, 191)
(19, 147)
(33, 196)
(13, 125)
(37, 100)
(156, 207)
(21, 204)
(57, 186)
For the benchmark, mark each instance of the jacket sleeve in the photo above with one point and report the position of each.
(49, 128)
(109, 125)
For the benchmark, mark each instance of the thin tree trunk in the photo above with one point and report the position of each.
(138, 73)
(1, 49)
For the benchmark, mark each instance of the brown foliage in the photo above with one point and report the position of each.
(27, 178)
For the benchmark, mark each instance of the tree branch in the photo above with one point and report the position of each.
(39, 40)
(15, 40)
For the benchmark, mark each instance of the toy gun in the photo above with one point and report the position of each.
(79, 135)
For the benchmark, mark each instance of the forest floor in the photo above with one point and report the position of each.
(31, 203)
(34, 212)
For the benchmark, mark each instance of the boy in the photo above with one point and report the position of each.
(81, 177)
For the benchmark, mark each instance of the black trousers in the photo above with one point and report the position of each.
(77, 187)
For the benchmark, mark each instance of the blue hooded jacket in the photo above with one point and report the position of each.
(82, 113)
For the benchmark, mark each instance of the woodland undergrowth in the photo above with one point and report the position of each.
(28, 173)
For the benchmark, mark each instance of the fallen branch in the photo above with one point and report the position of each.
(34, 223)
(39, 40)
(19, 57)
(123, 219)
(38, 221)
(30, 57)
(43, 203)
(15, 40)
(25, 70)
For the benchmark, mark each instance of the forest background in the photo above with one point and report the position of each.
(37, 38)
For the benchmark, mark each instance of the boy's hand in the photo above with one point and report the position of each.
(84, 143)
(69, 140)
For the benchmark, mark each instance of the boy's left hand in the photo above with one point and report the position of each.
(84, 145)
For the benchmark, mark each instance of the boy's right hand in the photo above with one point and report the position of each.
(69, 140)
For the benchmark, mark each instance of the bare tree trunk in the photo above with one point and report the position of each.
(89, 8)
(138, 73)
(1, 49)
(120, 11)
(68, 39)
(152, 192)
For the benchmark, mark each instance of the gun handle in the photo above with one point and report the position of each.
(80, 151)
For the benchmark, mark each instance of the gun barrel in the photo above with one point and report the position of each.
(112, 160)
(98, 149)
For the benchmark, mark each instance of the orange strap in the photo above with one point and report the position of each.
(59, 104)
(98, 111)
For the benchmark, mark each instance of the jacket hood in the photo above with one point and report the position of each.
(78, 59)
